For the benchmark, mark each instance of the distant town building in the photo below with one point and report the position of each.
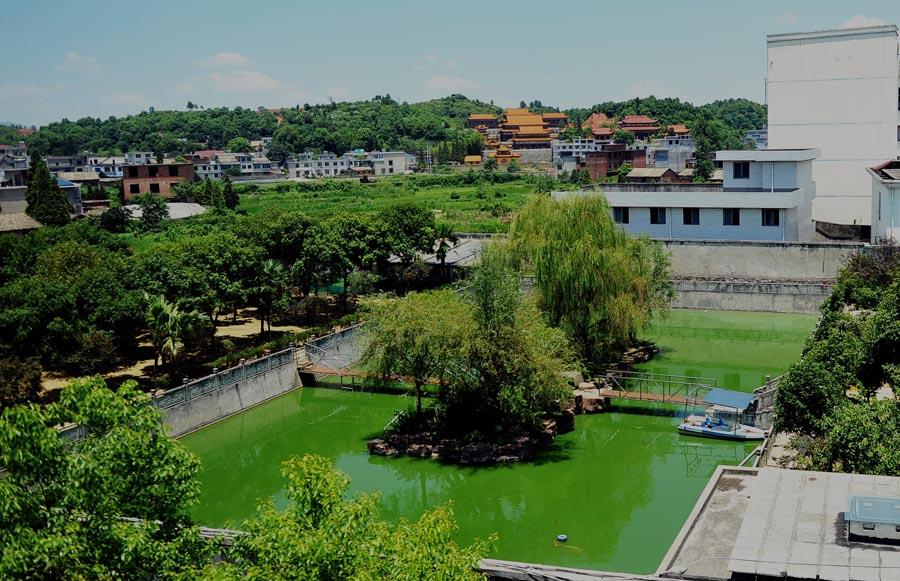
(155, 178)
(610, 157)
(765, 195)
(139, 157)
(62, 163)
(482, 121)
(646, 175)
(673, 151)
(353, 163)
(837, 90)
(13, 170)
(107, 166)
(757, 138)
(15, 149)
(885, 201)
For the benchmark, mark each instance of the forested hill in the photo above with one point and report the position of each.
(379, 123)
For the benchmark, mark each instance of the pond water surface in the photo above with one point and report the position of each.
(620, 485)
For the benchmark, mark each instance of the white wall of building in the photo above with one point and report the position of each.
(836, 91)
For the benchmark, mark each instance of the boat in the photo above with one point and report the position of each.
(724, 411)
(717, 428)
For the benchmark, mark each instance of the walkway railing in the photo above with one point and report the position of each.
(657, 387)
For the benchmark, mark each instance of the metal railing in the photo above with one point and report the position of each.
(747, 287)
(659, 387)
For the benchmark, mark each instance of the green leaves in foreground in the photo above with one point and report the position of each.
(322, 535)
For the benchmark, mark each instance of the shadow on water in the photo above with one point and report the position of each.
(652, 409)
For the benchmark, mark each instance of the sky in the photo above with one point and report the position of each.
(76, 58)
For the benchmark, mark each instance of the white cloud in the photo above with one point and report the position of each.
(450, 64)
(442, 84)
(431, 58)
(860, 21)
(788, 18)
(129, 99)
(225, 59)
(15, 91)
(243, 81)
(77, 62)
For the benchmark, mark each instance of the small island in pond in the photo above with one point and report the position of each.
(492, 361)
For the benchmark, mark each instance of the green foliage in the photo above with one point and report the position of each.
(229, 196)
(239, 145)
(597, 283)
(623, 171)
(862, 438)
(806, 395)
(421, 336)
(490, 164)
(513, 166)
(410, 229)
(170, 328)
(20, 381)
(62, 503)
(154, 211)
(115, 220)
(623, 136)
(322, 535)
(47, 203)
(710, 135)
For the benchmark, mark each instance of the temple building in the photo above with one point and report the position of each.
(600, 126)
(503, 154)
(641, 125)
(482, 121)
(527, 130)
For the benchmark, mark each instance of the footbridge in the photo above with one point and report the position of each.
(655, 387)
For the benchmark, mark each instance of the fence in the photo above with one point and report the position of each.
(223, 379)
(337, 352)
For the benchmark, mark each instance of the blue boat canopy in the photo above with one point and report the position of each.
(725, 397)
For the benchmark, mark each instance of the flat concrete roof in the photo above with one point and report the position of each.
(772, 522)
(768, 154)
(832, 33)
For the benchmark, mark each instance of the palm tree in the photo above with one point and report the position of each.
(446, 239)
(271, 282)
(168, 325)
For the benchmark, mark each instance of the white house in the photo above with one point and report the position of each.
(885, 201)
(765, 195)
(108, 165)
(836, 90)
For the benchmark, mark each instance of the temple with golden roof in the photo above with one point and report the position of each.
(519, 128)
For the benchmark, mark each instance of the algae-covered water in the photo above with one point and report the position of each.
(620, 485)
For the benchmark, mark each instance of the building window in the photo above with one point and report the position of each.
(741, 170)
(770, 216)
(868, 526)
(134, 189)
(620, 215)
(657, 215)
(132, 172)
(154, 188)
(153, 171)
(691, 216)
(173, 171)
(731, 217)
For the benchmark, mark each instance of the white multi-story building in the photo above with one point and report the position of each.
(139, 157)
(109, 166)
(327, 164)
(836, 90)
(672, 151)
(885, 201)
(765, 195)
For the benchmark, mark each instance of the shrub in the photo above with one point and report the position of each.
(807, 394)
(454, 196)
(20, 381)
(96, 353)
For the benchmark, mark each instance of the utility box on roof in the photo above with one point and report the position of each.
(874, 519)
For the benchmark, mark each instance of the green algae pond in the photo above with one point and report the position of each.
(620, 486)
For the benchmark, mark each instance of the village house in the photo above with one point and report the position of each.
(155, 178)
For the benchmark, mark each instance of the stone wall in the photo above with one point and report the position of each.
(772, 297)
(795, 261)
(210, 399)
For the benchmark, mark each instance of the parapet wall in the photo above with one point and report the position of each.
(212, 398)
(795, 261)
(769, 297)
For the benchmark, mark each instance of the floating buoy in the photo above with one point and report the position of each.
(562, 538)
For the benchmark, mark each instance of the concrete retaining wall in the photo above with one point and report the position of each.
(759, 260)
(208, 400)
(778, 297)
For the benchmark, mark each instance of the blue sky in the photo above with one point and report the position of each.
(71, 58)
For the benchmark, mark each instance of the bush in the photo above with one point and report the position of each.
(454, 196)
(115, 220)
(20, 381)
(808, 392)
(96, 353)
(862, 438)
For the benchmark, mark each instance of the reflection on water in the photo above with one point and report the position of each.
(620, 485)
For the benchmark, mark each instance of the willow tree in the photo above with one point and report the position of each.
(594, 281)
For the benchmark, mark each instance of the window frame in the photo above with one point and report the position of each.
(771, 212)
(658, 216)
(621, 215)
(685, 212)
(742, 165)
(735, 214)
